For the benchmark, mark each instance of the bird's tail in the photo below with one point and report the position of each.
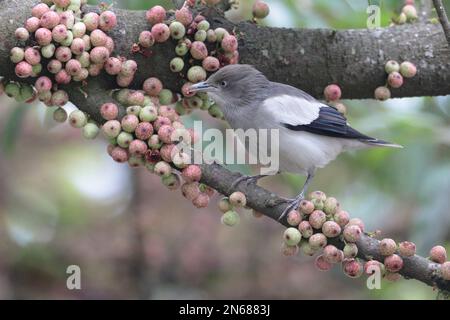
(381, 143)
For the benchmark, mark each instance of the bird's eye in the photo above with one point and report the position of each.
(223, 83)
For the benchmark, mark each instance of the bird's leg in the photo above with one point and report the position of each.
(247, 179)
(295, 203)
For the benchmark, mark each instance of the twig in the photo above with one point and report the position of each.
(440, 9)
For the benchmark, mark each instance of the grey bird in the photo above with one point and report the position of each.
(311, 133)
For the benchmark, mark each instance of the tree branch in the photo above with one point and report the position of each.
(440, 9)
(309, 59)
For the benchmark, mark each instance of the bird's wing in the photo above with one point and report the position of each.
(299, 114)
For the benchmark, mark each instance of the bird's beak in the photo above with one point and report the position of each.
(202, 87)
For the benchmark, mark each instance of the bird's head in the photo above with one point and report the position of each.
(234, 85)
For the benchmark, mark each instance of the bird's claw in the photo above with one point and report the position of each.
(293, 205)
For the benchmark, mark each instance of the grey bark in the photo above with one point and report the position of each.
(308, 59)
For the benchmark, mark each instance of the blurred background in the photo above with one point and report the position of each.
(64, 202)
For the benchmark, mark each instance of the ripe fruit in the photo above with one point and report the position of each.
(292, 236)
(198, 50)
(192, 173)
(372, 266)
(108, 20)
(113, 66)
(352, 233)
(332, 92)
(91, 20)
(184, 16)
(408, 69)
(305, 229)
(260, 9)
(155, 15)
(322, 264)
(317, 219)
(144, 131)
(289, 251)
(352, 268)
(43, 84)
(306, 207)
(59, 98)
(407, 249)
(99, 55)
(438, 254)
(153, 86)
(22, 34)
(387, 247)
(382, 93)
(332, 254)
(445, 270)
(411, 12)
(229, 43)
(211, 64)
(331, 229)
(317, 241)
(238, 199)
(111, 129)
(294, 218)
(23, 69)
(393, 263)
(138, 147)
(146, 39)
(395, 80)
(43, 36)
(160, 32)
(119, 155)
(342, 218)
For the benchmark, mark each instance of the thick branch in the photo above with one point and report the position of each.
(440, 9)
(308, 59)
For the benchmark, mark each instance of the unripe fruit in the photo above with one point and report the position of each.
(99, 55)
(306, 207)
(63, 54)
(229, 43)
(49, 20)
(77, 47)
(407, 249)
(182, 49)
(91, 131)
(22, 34)
(160, 32)
(144, 131)
(43, 84)
(91, 20)
(129, 68)
(322, 264)
(119, 155)
(438, 254)
(305, 229)
(17, 54)
(177, 30)
(12, 90)
(200, 35)
(392, 66)
(392, 276)
(332, 92)
(48, 51)
(342, 218)
(163, 169)
(148, 114)
(138, 147)
(136, 98)
(317, 241)
(319, 195)
(393, 263)
(112, 129)
(60, 115)
(124, 139)
(59, 98)
(215, 112)
(238, 199)
(77, 119)
(134, 110)
(289, 251)
(192, 173)
(387, 247)
(39, 10)
(330, 206)
(79, 30)
(352, 233)
(61, 3)
(154, 142)
(23, 69)
(230, 218)
(352, 268)
(32, 24)
(382, 93)
(408, 69)
(196, 74)
(184, 16)
(87, 42)
(95, 69)
(211, 64)
(332, 254)
(67, 42)
(445, 270)
(27, 94)
(395, 80)
(221, 33)
(294, 218)
(109, 111)
(224, 205)
(317, 219)
(331, 229)
(211, 36)
(203, 25)
(36, 70)
(358, 222)
(165, 97)
(82, 75)
(153, 86)
(108, 20)
(146, 39)
(155, 15)
(260, 9)
(191, 191)
(292, 236)
(124, 81)
(43, 36)
(350, 250)
(181, 160)
(198, 50)
(176, 65)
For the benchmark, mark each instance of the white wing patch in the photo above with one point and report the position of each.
(292, 110)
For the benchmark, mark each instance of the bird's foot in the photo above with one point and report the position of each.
(293, 205)
(247, 180)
